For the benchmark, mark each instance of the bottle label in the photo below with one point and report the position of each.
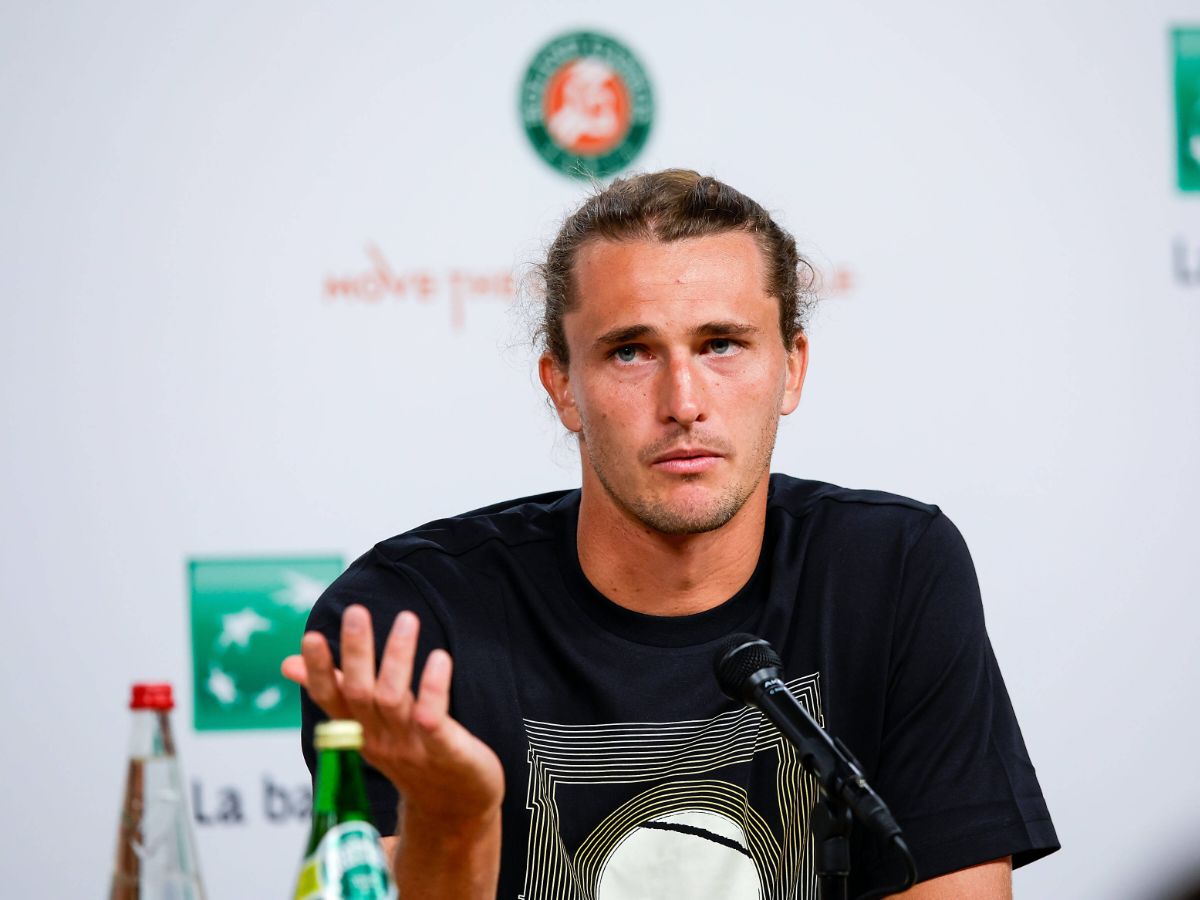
(348, 864)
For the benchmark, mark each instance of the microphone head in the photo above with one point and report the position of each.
(739, 659)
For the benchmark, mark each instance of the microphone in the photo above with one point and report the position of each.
(748, 669)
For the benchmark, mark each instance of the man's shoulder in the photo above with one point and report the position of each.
(801, 497)
(510, 523)
(415, 567)
(828, 506)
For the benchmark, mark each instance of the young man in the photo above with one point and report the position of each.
(585, 749)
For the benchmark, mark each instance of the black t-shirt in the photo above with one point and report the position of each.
(628, 773)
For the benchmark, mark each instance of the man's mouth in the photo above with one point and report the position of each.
(686, 460)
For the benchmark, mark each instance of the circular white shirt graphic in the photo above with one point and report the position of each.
(692, 854)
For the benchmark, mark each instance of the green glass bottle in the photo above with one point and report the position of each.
(344, 859)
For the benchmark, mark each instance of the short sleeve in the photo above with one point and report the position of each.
(953, 766)
(386, 590)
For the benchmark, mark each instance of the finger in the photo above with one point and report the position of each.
(433, 702)
(323, 684)
(293, 669)
(358, 663)
(393, 687)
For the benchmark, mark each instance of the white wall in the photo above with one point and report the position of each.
(178, 181)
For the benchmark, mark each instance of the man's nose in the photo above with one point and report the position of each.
(681, 393)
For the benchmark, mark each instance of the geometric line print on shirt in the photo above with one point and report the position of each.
(683, 835)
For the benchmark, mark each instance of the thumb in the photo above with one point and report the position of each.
(293, 669)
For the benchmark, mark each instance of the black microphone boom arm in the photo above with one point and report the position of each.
(748, 669)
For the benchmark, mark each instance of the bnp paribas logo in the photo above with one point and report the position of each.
(247, 615)
(586, 104)
(1186, 42)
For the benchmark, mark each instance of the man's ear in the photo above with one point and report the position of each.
(557, 382)
(797, 366)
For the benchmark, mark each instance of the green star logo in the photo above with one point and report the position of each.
(586, 104)
(247, 615)
(1186, 43)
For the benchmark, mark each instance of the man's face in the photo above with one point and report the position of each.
(677, 377)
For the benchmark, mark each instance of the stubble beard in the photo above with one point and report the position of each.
(668, 519)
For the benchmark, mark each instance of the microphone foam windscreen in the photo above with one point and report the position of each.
(739, 658)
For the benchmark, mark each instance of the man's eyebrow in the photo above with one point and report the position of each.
(726, 329)
(624, 334)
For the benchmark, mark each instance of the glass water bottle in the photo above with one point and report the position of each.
(156, 851)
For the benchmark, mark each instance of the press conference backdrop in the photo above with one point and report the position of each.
(257, 285)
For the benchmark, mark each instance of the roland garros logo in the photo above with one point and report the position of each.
(586, 104)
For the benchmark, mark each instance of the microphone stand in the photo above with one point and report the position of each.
(831, 823)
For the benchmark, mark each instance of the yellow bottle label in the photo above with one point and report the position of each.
(308, 885)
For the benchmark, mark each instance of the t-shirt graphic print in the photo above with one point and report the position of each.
(713, 809)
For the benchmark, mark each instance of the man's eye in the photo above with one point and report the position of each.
(625, 354)
(722, 346)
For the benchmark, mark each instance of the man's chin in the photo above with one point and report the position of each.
(683, 518)
(681, 527)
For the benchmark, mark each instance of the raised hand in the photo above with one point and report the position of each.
(447, 777)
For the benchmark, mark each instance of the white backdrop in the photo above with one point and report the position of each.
(178, 182)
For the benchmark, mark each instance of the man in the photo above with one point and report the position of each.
(585, 750)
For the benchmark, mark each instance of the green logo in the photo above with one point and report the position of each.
(247, 615)
(586, 104)
(1187, 106)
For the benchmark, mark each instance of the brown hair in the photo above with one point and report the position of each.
(671, 205)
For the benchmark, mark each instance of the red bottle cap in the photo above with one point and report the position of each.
(152, 695)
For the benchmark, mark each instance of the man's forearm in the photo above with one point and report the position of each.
(435, 859)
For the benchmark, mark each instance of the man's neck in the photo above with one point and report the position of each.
(662, 574)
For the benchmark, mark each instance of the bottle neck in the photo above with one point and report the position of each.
(340, 787)
(151, 734)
